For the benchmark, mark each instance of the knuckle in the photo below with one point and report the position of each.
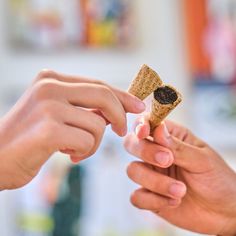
(111, 104)
(107, 93)
(98, 125)
(45, 74)
(44, 89)
(100, 82)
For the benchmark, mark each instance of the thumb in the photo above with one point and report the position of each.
(188, 156)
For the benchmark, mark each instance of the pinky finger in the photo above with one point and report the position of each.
(146, 200)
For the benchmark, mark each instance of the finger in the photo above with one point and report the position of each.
(190, 157)
(176, 130)
(100, 97)
(130, 103)
(75, 158)
(100, 114)
(148, 151)
(183, 134)
(187, 149)
(155, 182)
(68, 151)
(146, 200)
(66, 139)
(142, 127)
(76, 139)
(88, 121)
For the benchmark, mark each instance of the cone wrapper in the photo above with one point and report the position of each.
(145, 83)
(166, 98)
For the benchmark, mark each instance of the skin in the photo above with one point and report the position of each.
(182, 179)
(59, 113)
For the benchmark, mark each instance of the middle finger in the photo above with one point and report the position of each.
(100, 97)
(142, 174)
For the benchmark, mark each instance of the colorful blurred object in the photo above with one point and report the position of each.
(58, 24)
(67, 208)
(220, 40)
(36, 223)
(108, 22)
(211, 37)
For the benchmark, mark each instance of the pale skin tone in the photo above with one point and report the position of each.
(182, 179)
(59, 113)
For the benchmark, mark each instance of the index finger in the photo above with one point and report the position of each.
(130, 103)
(188, 150)
(192, 156)
(142, 130)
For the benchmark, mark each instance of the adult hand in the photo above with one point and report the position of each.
(182, 179)
(58, 113)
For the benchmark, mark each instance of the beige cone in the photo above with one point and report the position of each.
(160, 111)
(146, 82)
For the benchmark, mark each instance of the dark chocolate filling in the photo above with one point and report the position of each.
(165, 95)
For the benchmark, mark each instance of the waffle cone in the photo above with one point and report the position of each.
(146, 82)
(160, 111)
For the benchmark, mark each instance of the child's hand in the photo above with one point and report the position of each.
(182, 179)
(59, 113)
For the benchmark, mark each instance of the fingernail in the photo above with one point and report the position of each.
(162, 158)
(177, 190)
(140, 105)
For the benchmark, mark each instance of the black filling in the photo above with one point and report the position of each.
(165, 95)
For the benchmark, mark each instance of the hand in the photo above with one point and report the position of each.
(182, 179)
(58, 113)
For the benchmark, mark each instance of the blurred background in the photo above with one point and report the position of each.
(191, 44)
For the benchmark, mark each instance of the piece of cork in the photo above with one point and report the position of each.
(166, 98)
(145, 83)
